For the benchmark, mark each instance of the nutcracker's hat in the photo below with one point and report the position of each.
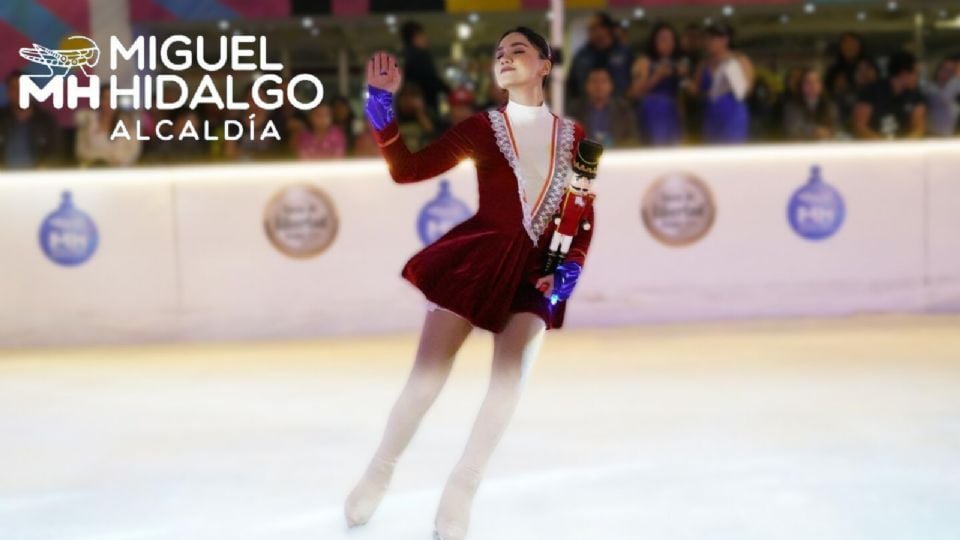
(588, 155)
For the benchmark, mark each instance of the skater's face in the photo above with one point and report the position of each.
(517, 63)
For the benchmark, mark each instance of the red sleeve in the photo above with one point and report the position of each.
(581, 241)
(436, 158)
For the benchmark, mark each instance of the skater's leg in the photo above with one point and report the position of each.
(442, 335)
(515, 350)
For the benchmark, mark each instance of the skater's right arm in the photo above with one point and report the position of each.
(383, 80)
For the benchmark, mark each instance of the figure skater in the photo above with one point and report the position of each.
(485, 272)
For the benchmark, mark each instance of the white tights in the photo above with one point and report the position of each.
(515, 349)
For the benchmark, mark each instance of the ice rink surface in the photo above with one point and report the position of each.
(799, 429)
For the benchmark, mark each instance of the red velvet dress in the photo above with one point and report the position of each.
(485, 268)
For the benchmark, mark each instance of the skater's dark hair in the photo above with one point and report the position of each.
(535, 39)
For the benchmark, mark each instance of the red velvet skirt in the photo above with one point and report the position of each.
(484, 275)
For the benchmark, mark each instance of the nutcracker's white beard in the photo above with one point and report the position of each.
(515, 350)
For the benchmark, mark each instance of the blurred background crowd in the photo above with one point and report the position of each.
(637, 77)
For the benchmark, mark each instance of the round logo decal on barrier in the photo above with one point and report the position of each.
(301, 221)
(68, 236)
(816, 210)
(441, 214)
(678, 209)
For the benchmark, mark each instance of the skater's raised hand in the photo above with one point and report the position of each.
(383, 72)
(383, 80)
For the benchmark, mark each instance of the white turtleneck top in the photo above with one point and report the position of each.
(532, 128)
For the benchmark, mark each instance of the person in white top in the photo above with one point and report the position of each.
(943, 99)
(724, 80)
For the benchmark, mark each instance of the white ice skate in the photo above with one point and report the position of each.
(453, 513)
(366, 496)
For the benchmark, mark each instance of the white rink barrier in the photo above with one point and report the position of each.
(252, 251)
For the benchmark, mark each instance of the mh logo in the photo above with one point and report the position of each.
(77, 52)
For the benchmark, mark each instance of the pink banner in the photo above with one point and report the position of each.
(350, 7)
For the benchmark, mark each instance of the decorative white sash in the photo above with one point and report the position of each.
(535, 221)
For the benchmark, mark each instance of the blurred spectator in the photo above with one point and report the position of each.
(252, 146)
(767, 100)
(942, 94)
(723, 80)
(419, 67)
(322, 138)
(461, 103)
(343, 116)
(844, 95)
(793, 82)
(606, 118)
(601, 50)
(417, 125)
(840, 75)
(865, 73)
(28, 137)
(94, 128)
(892, 107)
(809, 115)
(655, 87)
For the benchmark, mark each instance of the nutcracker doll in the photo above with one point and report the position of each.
(577, 200)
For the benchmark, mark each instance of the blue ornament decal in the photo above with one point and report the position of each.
(441, 214)
(68, 236)
(816, 211)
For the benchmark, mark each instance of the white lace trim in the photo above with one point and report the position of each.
(535, 225)
(558, 184)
